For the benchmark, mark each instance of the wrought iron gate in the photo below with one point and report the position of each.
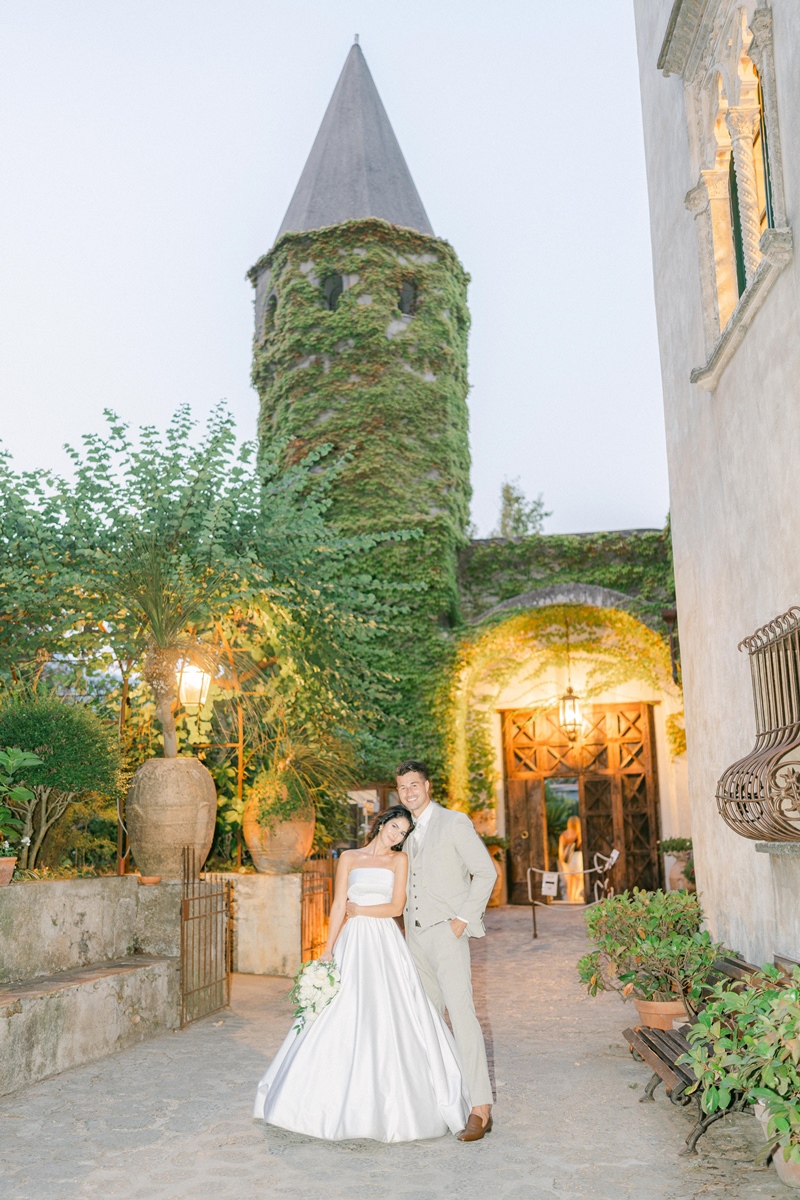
(317, 895)
(615, 764)
(205, 941)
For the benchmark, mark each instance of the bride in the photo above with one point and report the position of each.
(379, 1061)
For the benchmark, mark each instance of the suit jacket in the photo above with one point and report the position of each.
(451, 875)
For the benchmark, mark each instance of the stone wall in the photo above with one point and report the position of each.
(266, 924)
(733, 454)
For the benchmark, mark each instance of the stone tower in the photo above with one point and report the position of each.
(361, 341)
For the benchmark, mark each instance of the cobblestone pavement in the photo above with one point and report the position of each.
(170, 1119)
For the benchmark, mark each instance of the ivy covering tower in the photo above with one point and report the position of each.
(361, 342)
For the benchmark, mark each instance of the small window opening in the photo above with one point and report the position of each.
(332, 288)
(761, 156)
(407, 302)
(736, 227)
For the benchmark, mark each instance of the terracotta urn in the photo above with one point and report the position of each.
(280, 850)
(500, 890)
(172, 803)
(659, 1014)
(6, 870)
(677, 880)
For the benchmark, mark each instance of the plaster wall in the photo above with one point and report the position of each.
(266, 924)
(672, 784)
(735, 504)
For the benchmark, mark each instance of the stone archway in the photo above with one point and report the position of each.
(517, 658)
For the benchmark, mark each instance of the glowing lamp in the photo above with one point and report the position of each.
(193, 685)
(570, 715)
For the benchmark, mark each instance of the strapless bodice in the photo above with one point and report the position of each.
(370, 885)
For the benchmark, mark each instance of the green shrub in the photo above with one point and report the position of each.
(649, 946)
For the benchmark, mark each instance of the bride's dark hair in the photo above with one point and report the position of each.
(397, 810)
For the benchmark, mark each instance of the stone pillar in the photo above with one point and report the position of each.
(724, 269)
(742, 125)
(697, 202)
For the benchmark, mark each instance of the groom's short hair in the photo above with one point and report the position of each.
(412, 764)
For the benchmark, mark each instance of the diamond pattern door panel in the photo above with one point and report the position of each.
(614, 761)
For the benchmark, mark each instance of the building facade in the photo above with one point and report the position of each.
(720, 92)
(361, 343)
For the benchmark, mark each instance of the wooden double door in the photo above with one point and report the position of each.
(615, 766)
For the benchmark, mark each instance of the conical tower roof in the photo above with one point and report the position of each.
(356, 168)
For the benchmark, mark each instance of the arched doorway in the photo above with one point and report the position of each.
(508, 751)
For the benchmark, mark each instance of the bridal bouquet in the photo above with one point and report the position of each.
(315, 985)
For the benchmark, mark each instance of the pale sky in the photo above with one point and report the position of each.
(150, 150)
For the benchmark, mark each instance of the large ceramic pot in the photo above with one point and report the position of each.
(172, 803)
(277, 851)
(6, 870)
(659, 1014)
(677, 880)
(500, 890)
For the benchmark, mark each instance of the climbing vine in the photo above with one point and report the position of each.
(613, 646)
(388, 388)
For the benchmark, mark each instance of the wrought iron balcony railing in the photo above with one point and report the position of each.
(759, 796)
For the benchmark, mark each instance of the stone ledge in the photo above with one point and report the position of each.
(782, 849)
(50, 1024)
(32, 988)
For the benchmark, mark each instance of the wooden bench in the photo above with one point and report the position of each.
(661, 1049)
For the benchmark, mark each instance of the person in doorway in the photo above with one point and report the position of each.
(451, 877)
(570, 860)
(378, 1062)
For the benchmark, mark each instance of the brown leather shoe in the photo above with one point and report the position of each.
(475, 1129)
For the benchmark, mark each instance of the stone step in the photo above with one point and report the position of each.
(58, 1021)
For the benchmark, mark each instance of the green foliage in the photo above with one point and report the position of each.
(558, 810)
(677, 845)
(649, 945)
(519, 517)
(637, 564)
(676, 734)
(389, 391)
(70, 752)
(747, 1039)
(299, 779)
(491, 839)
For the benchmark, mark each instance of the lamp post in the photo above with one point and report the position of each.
(193, 685)
(570, 713)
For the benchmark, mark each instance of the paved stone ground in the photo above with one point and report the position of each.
(170, 1119)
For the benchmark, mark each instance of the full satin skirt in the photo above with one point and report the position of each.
(379, 1061)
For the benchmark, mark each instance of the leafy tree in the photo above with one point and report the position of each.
(519, 517)
(78, 754)
(162, 549)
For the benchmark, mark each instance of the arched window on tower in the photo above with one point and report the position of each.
(332, 288)
(407, 301)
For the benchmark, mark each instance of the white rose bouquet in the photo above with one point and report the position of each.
(315, 985)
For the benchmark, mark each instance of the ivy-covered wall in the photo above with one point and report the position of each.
(390, 388)
(635, 562)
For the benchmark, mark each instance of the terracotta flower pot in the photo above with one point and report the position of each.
(172, 803)
(6, 870)
(279, 851)
(788, 1172)
(659, 1014)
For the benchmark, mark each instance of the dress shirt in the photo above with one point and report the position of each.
(421, 823)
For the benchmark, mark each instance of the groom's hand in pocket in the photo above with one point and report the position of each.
(457, 926)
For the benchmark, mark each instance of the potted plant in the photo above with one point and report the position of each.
(650, 948)
(12, 760)
(747, 1040)
(280, 811)
(681, 873)
(497, 847)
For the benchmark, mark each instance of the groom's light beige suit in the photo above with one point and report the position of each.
(451, 874)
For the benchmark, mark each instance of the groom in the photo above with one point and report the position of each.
(450, 879)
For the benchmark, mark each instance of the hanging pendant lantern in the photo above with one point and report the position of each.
(193, 685)
(570, 714)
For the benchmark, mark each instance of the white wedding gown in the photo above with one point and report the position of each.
(379, 1061)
